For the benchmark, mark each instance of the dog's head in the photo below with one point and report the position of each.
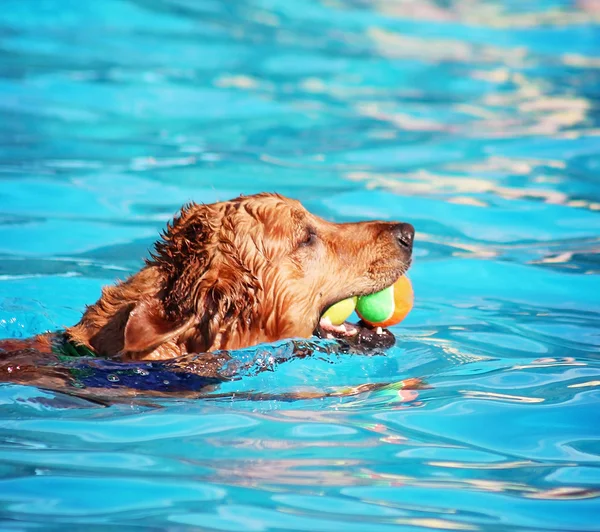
(258, 269)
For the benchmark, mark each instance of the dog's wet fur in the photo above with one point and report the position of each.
(225, 276)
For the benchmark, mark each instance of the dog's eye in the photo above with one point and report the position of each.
(309, 238)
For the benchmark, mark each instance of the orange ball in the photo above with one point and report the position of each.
(388, 307)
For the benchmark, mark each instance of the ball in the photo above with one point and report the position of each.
(388, 307)
(341, 311)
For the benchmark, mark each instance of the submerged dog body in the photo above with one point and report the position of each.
(237, 273)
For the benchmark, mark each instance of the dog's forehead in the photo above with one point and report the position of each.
(272, 223)
(271, 208)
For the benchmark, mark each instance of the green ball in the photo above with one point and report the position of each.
(378, 307)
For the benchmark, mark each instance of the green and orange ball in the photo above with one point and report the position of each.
(381, 309)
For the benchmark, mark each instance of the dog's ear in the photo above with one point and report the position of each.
(147, 326)
(206, 283)
(182, 256)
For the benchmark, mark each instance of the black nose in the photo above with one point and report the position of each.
(405, 235)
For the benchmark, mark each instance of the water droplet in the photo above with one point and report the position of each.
(142, 372)
(113, 378)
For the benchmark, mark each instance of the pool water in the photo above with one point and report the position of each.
(476, 121)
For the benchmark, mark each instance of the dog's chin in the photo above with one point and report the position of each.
(360, 335)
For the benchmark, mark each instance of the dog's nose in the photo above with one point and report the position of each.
(405, 235)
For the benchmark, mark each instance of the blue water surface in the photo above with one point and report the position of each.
(477, 121)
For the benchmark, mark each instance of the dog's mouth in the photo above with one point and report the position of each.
(359, 334)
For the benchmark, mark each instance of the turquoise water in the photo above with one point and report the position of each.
(476, 121)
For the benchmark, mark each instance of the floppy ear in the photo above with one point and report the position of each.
(182, 256)
(147, 327)
(205, 278)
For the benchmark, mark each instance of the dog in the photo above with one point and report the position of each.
(231, 275)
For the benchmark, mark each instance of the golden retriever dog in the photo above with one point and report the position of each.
(235, 274)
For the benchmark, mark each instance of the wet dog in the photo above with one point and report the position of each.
(231, 275)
